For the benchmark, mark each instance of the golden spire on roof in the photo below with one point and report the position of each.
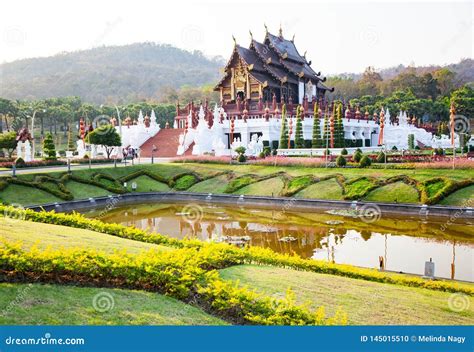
(235, 41)
(280, 32)
(251, 35)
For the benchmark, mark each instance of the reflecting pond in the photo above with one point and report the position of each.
(404, 243)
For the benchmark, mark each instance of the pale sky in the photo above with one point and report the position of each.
(339, 36)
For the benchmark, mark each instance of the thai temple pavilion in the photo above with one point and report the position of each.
(271, 68)
(257, 82)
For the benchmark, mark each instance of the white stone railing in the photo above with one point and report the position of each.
(320, 151)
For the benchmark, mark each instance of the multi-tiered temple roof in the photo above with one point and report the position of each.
(271, 68)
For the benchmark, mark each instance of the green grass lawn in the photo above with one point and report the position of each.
(147, 184)
(272, 186)
(328, 189)
(462, 197)
(244, 180)
(365, 302)
(83, 191)
(397, 192)
(44, 235)
(34, 304)
(216, 184)
(433, 188)
(18, 194)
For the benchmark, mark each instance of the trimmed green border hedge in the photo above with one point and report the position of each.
(236, 256)
(291, 185)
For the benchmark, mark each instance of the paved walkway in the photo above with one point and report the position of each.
(31, 170)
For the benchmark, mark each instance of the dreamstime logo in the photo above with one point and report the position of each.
(14, 36)
(103, 302)
(15, 212)
(192, 213)
(104, 122)
(461, 124)
(370, 213)
(192, 35)
(369, 36)
(21, 296)
(458, 302)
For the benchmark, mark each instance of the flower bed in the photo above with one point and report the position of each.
(36, 163)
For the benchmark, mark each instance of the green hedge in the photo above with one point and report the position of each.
(233, 255)
(187, 274)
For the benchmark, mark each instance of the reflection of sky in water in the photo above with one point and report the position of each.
(348, 243)
(402, 253)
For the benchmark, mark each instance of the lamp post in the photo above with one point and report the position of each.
(452, 117)
(153, 150)
(119, 121)
(326, 129)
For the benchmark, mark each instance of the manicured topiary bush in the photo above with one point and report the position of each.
(341, 161)
(357, 156)
(49, 150)
(344, 151)
(365, 161)
(381, 157)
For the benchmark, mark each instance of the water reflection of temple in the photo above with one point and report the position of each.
(314, 236)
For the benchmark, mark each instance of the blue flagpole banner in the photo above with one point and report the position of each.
(237, 338)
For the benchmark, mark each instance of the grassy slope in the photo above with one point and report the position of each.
(464, 196)
(48, 304)
(395, 192)
(17, 194)
(81, 190)
(322, 190)
(367, 303)
(45, 235)
(213, 185)
(272, 186)
(147, 184)
(27, 195)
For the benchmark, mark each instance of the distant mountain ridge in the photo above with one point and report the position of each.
(130, 73)
(108, 74)
(464, 70)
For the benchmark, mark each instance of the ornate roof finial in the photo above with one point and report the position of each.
(251, 35)
(293, 39)
(280, 32)
(235, 41)
(304, 55)
(266, 28)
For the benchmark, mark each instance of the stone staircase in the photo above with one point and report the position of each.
(166, 141)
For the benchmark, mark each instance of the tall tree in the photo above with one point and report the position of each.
(284, 129)
(299, 139)
(49, 149)
(71, 145)
(8, 142)
(105, 136)
(326, 134)
(339, 128)
(7, 109)
(317, 141)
